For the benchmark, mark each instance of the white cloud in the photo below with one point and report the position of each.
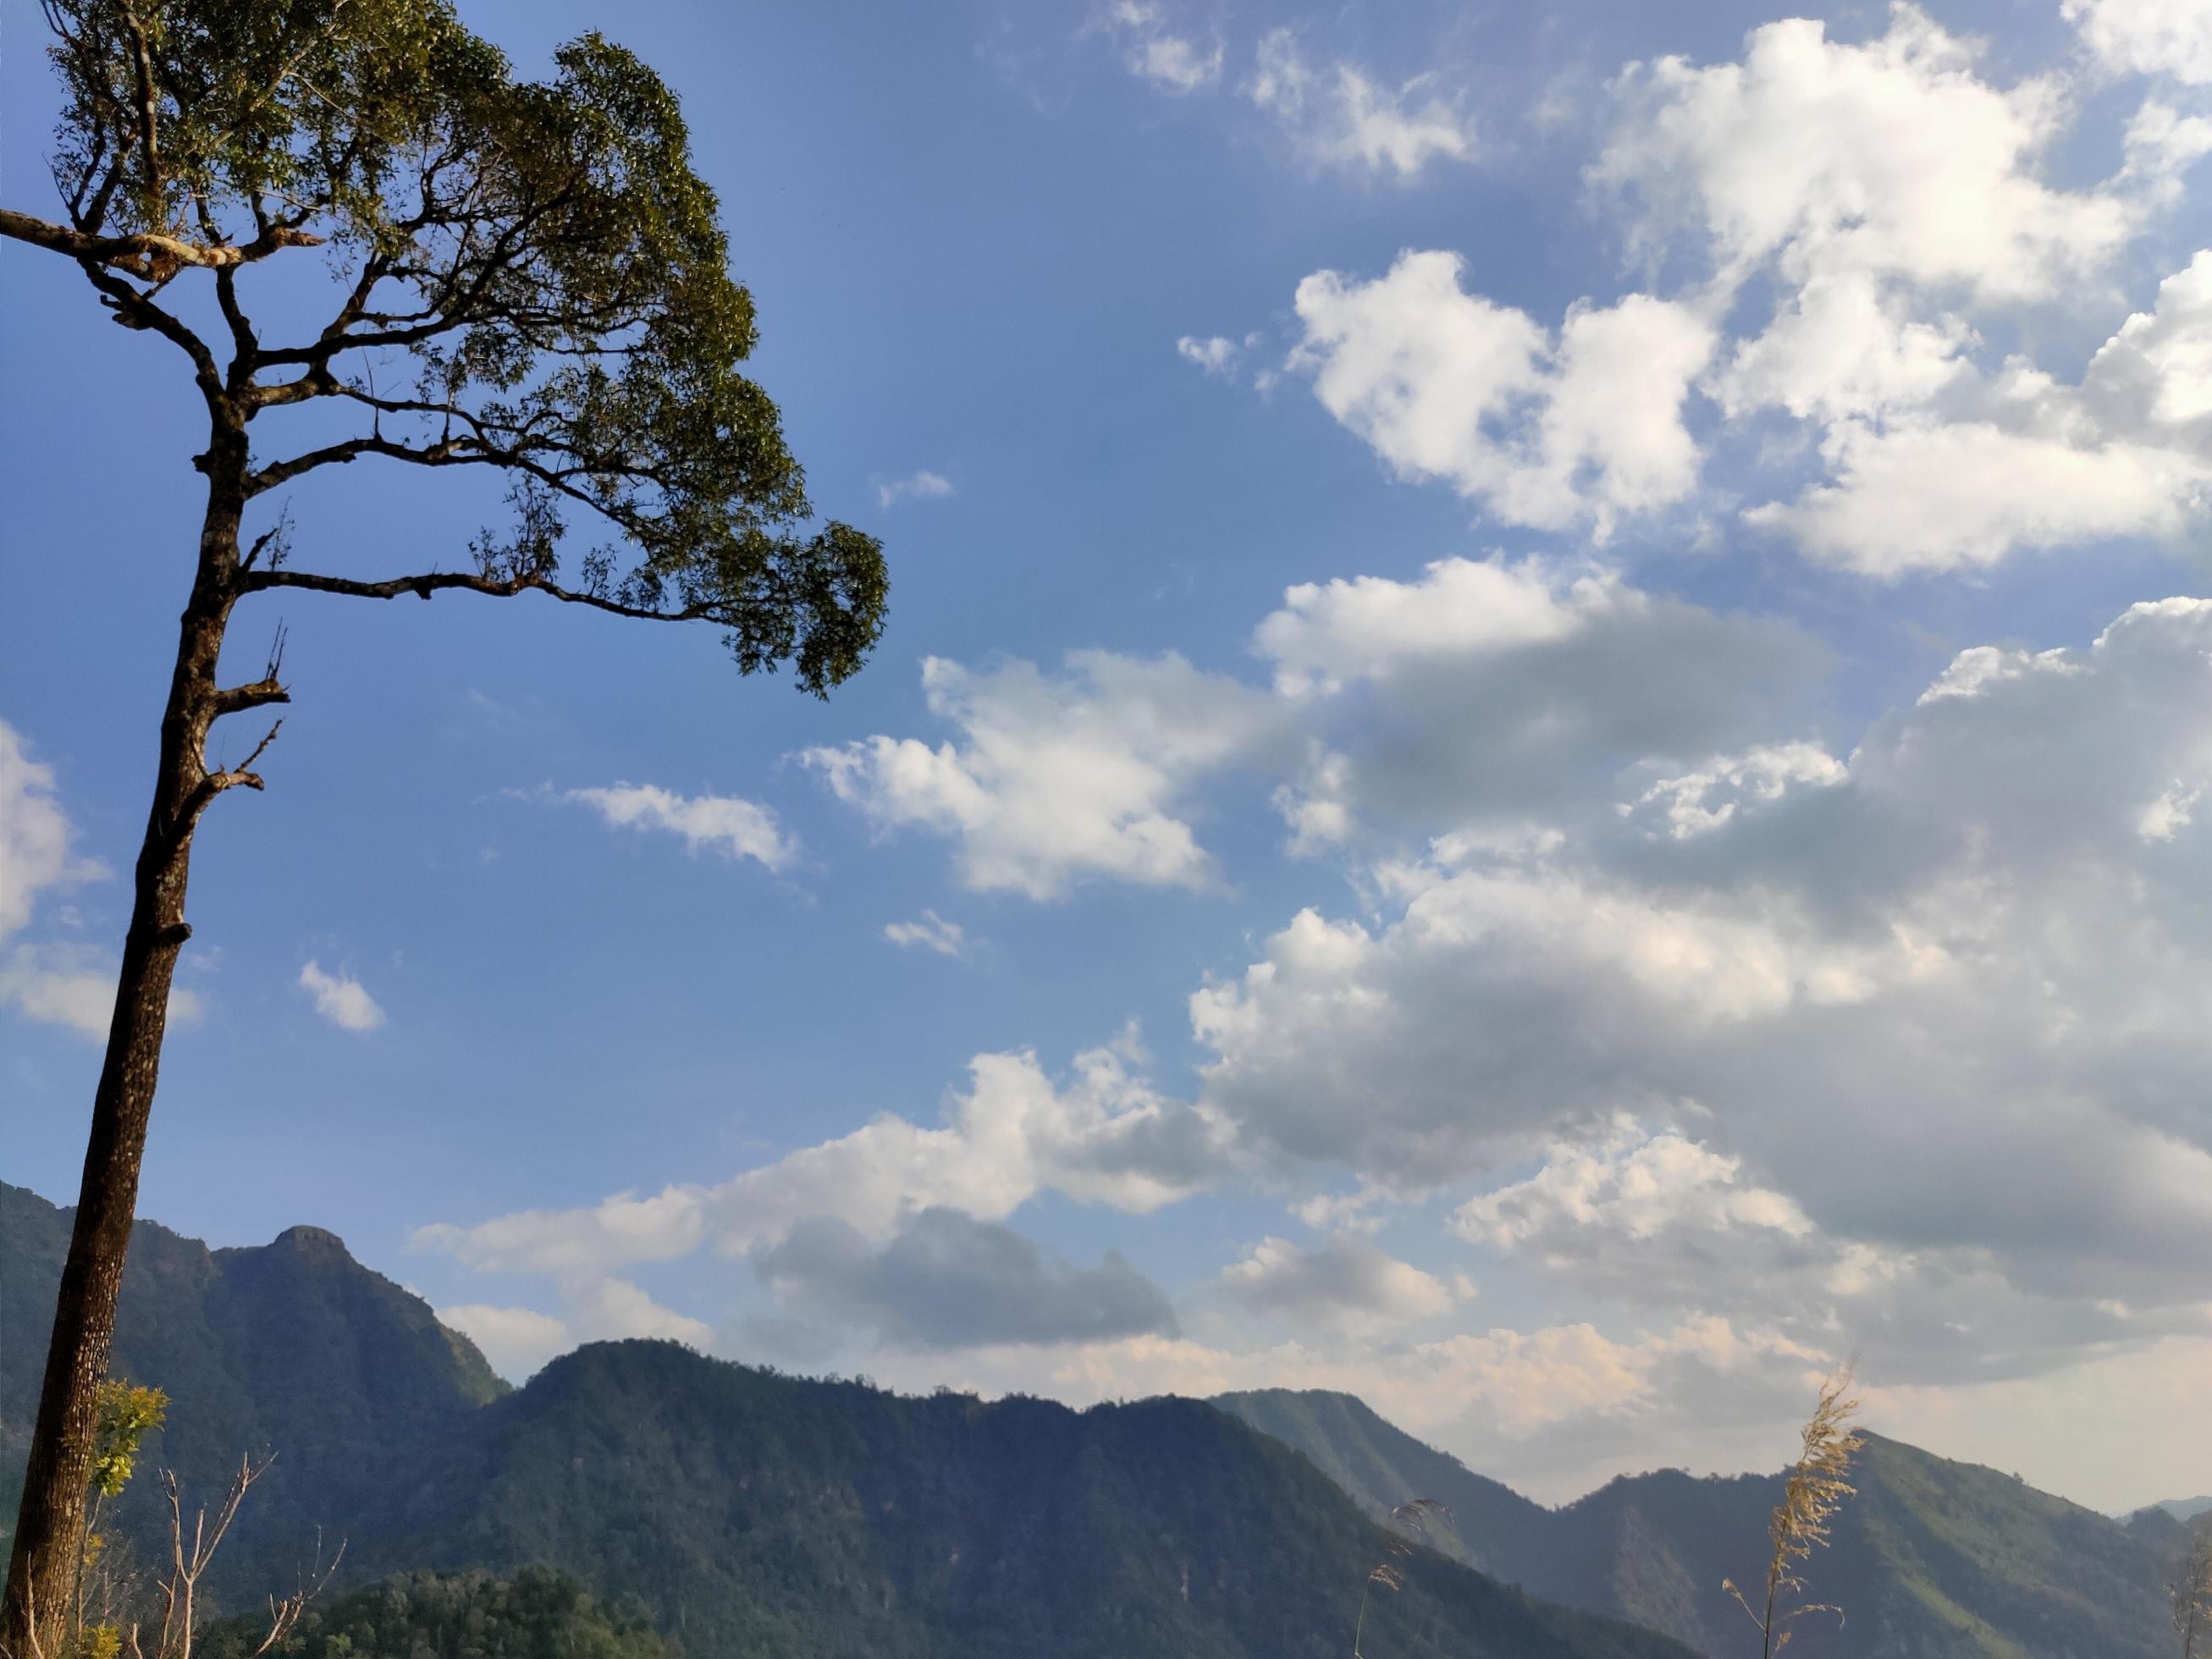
(341, 999)
(517, 1342)
(74, 985)
(1550, 432)
(1215, 354)
(1339, 116)
(1175, 62)
(1892, 159)
(919, 486)
(1058, 778)
(2147, 37)
(1698, 802)
(1502, 1398)
(35, 835)
(736, 828)
(1844, 348)
(1105, 1136)
(1369, 626)
(929, 932)
(56, 983)
(1094, 772)
(1894, 196)
(1343, 1283)
(1955, 496)
(1222, 357)
(1634, 1184)
(1907, 995)
(1989, 465)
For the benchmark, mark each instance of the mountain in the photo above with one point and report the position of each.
(755, 1513)
(1932, 1559)
(2186, 1508)
(292, 1346)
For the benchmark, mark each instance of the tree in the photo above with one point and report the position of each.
(1813, 1491)
(2192, 1591)
(527, 278)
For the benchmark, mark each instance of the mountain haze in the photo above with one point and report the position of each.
(1932, 1558)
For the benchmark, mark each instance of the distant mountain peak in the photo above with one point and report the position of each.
(311, 1241)
(1932, 1557)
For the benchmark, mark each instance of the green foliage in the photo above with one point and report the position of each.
(543, 253)
(535, 1614)
(124, 1414)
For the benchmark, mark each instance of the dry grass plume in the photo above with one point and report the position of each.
(1815, 1492)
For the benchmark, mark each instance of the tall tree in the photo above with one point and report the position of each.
(526, 276)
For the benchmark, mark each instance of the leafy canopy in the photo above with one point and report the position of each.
(533, 277)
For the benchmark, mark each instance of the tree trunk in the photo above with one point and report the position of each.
(50, 1521)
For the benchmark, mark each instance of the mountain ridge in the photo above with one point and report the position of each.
(1932, 1557)
(756, 1513)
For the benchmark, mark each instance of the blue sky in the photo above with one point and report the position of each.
(1514, 766)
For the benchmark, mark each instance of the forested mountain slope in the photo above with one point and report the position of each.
(753, 1513)
(1932, 1560)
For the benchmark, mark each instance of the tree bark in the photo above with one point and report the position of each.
(50, 1520)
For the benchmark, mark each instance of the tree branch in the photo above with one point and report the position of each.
(499, 587)
(146, 255)
(135, 310)
(241, 775)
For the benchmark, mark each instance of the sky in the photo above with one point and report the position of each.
(1544, 750)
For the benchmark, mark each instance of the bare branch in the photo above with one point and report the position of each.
(500, 587)
(146, 254)
(241, 777)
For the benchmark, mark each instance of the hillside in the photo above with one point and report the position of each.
(1933, 1558)
(292, 1346)
(755, 1514)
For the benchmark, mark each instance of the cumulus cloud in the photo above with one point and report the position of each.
(1551, 431)
(1632, 1182)
(2147, 37)
(1980, 467)
(735, 827)
(1093, 773)
(945, 1280)
(73, 986)
(518, 1341)
(1965, 947)
(35, 835)
(1577, 673)
(1339, 116)
(1104, 1135)
(929, 932)
(1893, 158)
(341, 999)
(55, 981)
(515, 1341)
(1055, 778)
(848, 1228)
(1345, 1284)
(919, 486)
(1152, 49)
(1894, 195)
